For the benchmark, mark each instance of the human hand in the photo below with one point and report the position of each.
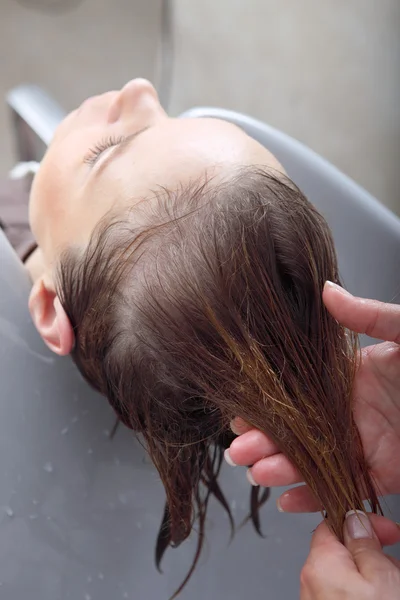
(359, 568)
(376, 407)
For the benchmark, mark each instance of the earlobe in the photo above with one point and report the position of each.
(50, 319)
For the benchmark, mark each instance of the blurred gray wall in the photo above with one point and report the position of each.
(327, 73)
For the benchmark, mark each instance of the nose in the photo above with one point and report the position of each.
(138, 94)
(97, 103)
(137, 88)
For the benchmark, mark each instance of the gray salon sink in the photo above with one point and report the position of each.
(79, 513)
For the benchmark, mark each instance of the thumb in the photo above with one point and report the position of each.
(364, 546)
(377, 319)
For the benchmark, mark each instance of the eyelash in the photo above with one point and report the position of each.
(94, 153)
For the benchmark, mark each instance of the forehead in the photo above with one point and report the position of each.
(72, 197)
(178, 151)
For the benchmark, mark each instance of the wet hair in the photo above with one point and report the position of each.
(205, 303)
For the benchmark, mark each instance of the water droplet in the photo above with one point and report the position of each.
(48, 467)
(233, 505)
(122, 498)
(89, 579)
(139, 525)
(88, 597)
(74, 420)
(125, 595)
(117, 462)
(90, 451)
(64, 431)
(33, 517)
(9, 511)
(84, 413)
(100, 575)
(35, 502)
(106, 432)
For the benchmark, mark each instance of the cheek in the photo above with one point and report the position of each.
(45, 201)
(36, 209)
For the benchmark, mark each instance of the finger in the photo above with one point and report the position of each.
(387, 531)
(328, 551)
(364, 546)
(394, 561)
(239, 426)
(298, 500)
(273, 471)
(376, 319)
(328, 566)
(250, 447)
(324, 541)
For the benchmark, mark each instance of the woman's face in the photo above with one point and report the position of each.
(117, 148)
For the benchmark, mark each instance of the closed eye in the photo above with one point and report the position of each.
(111, 142)
(94, 153)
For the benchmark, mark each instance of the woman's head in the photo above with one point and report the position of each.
(192, 286)
(111, 153)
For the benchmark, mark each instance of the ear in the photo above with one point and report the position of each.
(50, 319)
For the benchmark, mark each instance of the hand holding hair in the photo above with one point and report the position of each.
(358, 568)
(376, 407)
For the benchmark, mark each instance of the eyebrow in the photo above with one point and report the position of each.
(120, 148)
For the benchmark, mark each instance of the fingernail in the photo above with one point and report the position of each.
(335, 286)
(358, 525)
(250, 477)
(228, 459)
(278, 505)
(233, 428)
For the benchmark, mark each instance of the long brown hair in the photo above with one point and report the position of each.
(210, 309)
